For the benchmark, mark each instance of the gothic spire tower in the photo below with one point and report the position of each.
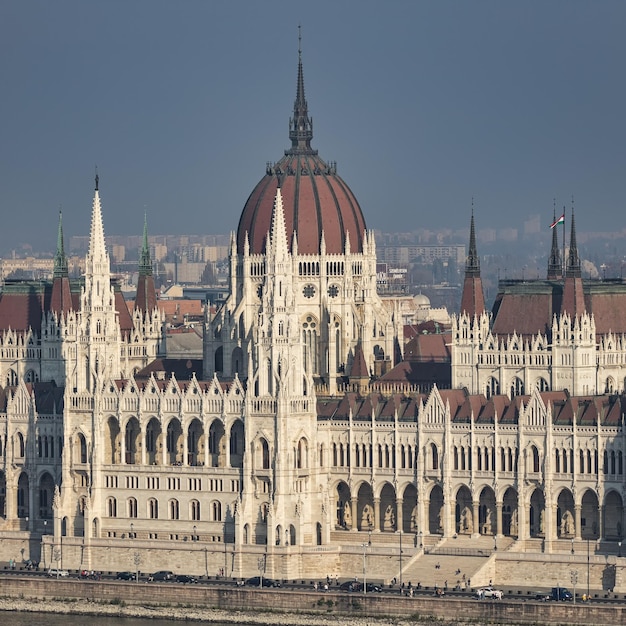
(99, 354)
(555, 268)
(573, 295)
(61, 299)
(145, 300)
(472, 298)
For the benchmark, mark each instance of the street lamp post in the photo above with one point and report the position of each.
(137, 562)
(261, 564)
(400, 558)
(574, 578)
(587, 568)
(132, 534)
(364, 546)
(619, 545)
(43, 549)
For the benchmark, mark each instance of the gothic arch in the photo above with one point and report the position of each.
(154, 441)
(217, 444)
(613, 516)
(487, 512)
(80, 448)
(388, 514)
(46, 494)
(132, 441)
(435, 511)
(464, 512)
(343, 506)
(112, 441)
(510, 514)
(410, 517)
(565, 515)
(365, 508)
(236, 443)
(537, 521)
(174, 442)
(195, 442)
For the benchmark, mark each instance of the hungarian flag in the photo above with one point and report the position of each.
(561, 220)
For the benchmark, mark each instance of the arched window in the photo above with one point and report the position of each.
(195, 510)
(111, 507)
(492, 388)
(132, 507)
(174, 509)
(216, 511)
(153, 508)
(517, 387)
(435, 456)
(535, 454)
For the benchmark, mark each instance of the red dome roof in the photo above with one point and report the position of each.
(315, 199)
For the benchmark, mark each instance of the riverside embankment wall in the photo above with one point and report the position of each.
(331, 604)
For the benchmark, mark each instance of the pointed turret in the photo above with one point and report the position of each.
(573, 260)
(472, 299)
(300, 125)
(278, 233)
(146, 293)
(573, 297)
(61, 299)
(97, 258)
(555, 268)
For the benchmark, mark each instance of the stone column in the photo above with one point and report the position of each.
(399, 518)
(185, 449)
(122, 460)
(578, 521)
(475, 519)
(143, 445)
(376, 515)
(354, 501)
(498, 530)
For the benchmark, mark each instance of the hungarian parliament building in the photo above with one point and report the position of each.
(298, 431)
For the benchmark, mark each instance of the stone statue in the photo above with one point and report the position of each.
(347, 515)
(390, 518)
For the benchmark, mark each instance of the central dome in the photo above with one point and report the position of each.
(315, 199)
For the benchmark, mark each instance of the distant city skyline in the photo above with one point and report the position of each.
(426, 107)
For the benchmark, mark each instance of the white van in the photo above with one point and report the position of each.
(58, 573)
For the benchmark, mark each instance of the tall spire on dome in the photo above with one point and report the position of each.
(555, 269)
(300, 125)
(472, 298)
(97, 257)
(60, 260)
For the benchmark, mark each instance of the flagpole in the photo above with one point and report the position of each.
(564, 261)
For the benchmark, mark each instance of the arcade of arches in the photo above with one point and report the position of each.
(384, 510)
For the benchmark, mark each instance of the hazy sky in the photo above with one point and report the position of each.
(423, 105)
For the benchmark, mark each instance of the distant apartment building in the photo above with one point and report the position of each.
(403, 255)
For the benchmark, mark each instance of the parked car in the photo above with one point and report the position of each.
(161, 576)
(58, 573)
(255, 581)
(183, 578)
(350, 585)
(489, 593)
(125, 576)
(561, 594)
